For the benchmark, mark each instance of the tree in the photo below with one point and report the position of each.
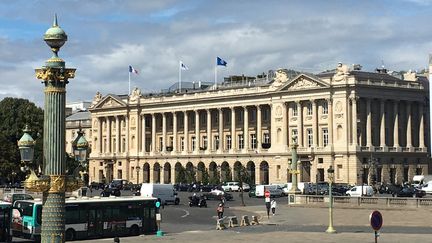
(181, 175)
(15, 113)
(205, 177)
(242, 176)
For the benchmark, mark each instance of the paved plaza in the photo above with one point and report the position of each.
(300, 224)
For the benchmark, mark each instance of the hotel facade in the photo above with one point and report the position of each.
(370, 126)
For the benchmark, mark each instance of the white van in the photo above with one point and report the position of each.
(164, 192)
(427, 187)
(357, 191)
(275, 190)
(418, 180)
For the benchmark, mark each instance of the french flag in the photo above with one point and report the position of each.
(132, 70)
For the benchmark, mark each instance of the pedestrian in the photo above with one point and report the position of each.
(220, 210)
(273, 206)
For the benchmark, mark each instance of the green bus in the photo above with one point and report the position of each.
(5, 222)
(90, 217)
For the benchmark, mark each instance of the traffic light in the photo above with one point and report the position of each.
(157, 204)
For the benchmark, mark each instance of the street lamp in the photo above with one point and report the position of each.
(54, 183)
(81, 151)
(294, 171)
(330, 173)
(26, 147)
(138, 168)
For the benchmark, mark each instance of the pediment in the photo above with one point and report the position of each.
(303, 82)
(110, 101)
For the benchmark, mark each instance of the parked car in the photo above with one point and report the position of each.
(231, 186)
(118, 183)
(97, 185)
(110, 192)
(357, 191)
(410, 191)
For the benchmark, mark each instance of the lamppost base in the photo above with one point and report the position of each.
(330, 230)
(295, 191)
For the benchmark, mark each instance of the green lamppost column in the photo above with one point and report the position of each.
(54, 183)
(294, 171)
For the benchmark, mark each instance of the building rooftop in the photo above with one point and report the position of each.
(80, 115)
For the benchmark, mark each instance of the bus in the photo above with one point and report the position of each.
(91, 217)
(5, 222)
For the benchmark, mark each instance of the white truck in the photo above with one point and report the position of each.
(420, 180)
(357, 191)
(164, 192)
(275, 190)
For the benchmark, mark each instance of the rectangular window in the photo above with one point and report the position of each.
(325, 108)
(119, 174)
(228, 141)
(325, 136)
(278, 174)
(253, 141)
(266, 138)
(240, 141)
(309, 109)
(160, 143)
(123, 148)
(171, 139)
(338, 172)
(265, 114)
(193, 143)
(309, 137)
(295, 110)
(216, 142)
(182, 145)
(320, 160)
(205, 142)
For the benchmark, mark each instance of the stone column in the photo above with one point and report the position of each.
(197, 131)
(118, 137)
(314, 123)
(300, 124)
(246, 128)
(153, 141)
(421, 127)
(186, 132)
(100, 141)
(174, 145)
(259, 132)
(354, 120)
(396, 124)
(408, 132)
(127, 134)
(209, 132)
(330, 120)
(233, 127)
(382, 126)
(164, 136)
(109, 150)
(368, 123)
(221, 135)
(143, 131)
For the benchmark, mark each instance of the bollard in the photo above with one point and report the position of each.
(245, 221)
(233, 222)
(116, 240)
(254, 220)
(220, 224)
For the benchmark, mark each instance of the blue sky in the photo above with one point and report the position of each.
(252, 36)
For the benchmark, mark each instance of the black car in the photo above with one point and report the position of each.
(110, 192)
(97, 185)
(411, 192)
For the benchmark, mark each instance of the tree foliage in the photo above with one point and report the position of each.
(15, 113)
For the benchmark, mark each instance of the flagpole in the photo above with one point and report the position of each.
(216, 77)
(180, 76)
(129, 82)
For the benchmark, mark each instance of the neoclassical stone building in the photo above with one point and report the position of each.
(362, 123)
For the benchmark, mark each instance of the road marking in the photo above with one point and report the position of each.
(187, 213)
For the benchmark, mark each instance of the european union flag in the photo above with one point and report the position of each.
(220, 62)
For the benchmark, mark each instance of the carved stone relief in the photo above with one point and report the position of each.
(303, 84)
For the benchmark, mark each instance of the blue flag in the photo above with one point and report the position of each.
(220, 62)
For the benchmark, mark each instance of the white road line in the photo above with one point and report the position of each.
(187, 213)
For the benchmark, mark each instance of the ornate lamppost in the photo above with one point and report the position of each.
(294, 171)
(54, 182)
(81, 151)
(330, 173)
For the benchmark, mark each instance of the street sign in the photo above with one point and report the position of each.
(267, 194)
(376, 220)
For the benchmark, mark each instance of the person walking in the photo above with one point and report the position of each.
(273, 206)
(220, 210)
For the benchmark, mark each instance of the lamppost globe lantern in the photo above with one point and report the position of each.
(80, 147)
(55, 37)
(26, 147)
(330, 172)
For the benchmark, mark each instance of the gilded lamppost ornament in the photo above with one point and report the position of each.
(54, 182)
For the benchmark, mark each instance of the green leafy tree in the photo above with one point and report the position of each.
(205, 177)
(243, 176)
(215, 179)
(15, 113)
(181, 175)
